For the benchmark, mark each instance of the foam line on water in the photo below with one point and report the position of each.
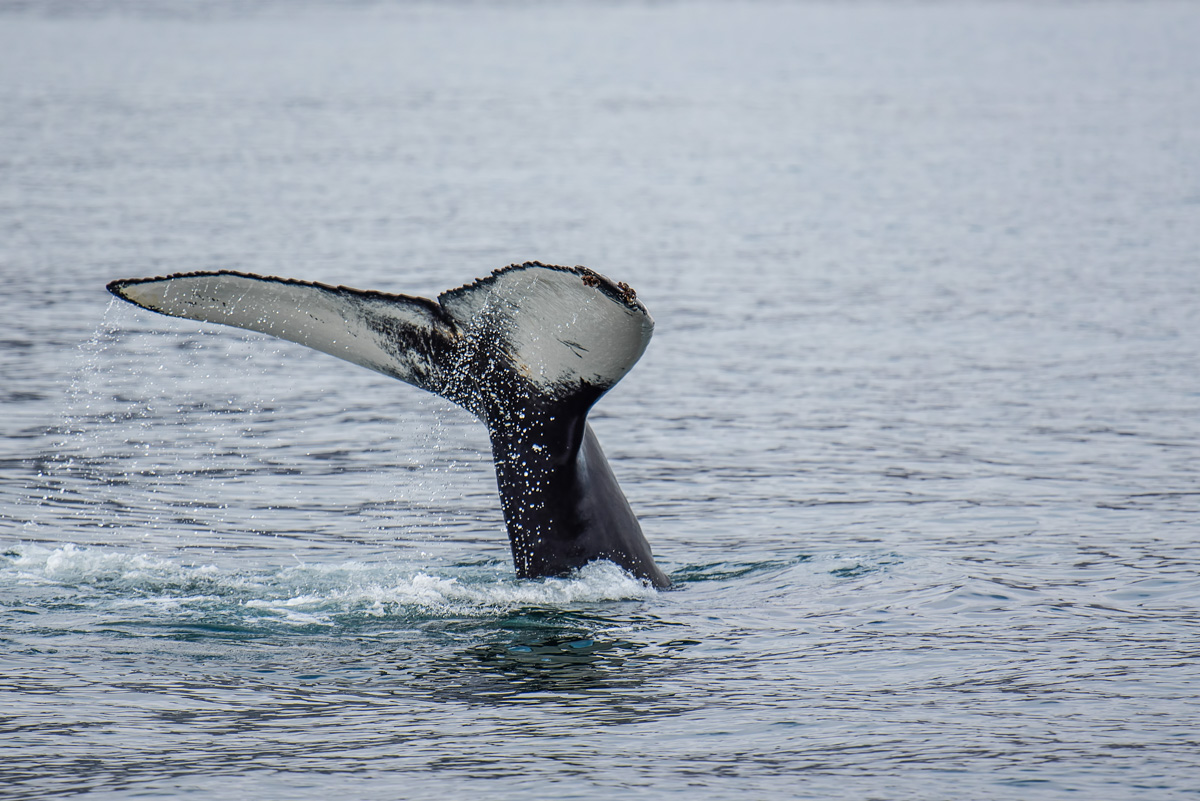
(305, 594)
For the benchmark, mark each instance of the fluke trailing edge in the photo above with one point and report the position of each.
(527, 350)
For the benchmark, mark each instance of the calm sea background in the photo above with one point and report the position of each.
(918, 435)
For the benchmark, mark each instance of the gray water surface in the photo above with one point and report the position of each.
(916, 438)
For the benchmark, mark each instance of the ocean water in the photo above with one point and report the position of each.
(917, 438)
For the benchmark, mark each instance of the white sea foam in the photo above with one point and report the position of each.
(306, 594)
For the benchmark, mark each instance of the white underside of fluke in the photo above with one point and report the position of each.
(557, 327)
(340, 322)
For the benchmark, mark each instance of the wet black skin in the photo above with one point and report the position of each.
(562, 504)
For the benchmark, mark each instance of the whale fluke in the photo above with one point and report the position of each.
(528, 350)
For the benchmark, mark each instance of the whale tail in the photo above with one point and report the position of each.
(528, 350)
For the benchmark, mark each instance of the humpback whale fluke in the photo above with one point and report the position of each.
(527, 350)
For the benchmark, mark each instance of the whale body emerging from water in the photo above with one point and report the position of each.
(528, 350)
